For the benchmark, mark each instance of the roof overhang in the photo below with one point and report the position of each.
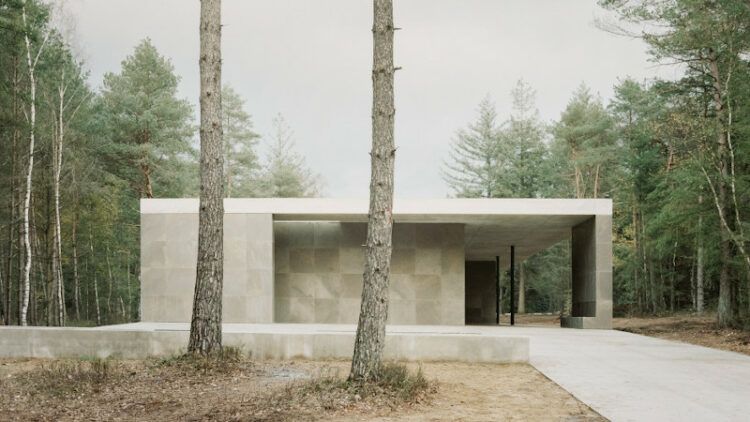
(492, 225)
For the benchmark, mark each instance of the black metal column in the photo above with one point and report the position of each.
(497, 290)
(512, 285)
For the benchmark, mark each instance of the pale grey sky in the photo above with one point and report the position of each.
(310, 60)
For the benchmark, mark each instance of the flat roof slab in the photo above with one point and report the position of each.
(492, 225)
(404, 210)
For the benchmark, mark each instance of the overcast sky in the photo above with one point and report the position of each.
(311, 61)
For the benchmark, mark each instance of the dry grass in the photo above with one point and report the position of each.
(330, 393)
(66, 377)
(237, 388)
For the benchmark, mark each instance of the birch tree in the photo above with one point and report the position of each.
(205, 327)
(32, 59)
(370, 338)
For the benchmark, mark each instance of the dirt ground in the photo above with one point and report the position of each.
(700, 330)
(146, 390)
(687, 328)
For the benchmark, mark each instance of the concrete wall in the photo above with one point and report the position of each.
(169, 250)
(591, 260)
(319, 268)
(273, 342)
(481, 296)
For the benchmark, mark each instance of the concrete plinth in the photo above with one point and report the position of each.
(264, 341)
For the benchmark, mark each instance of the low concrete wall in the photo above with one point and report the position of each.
(49, 342)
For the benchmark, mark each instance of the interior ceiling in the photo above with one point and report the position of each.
(486, 236)
(528, 233)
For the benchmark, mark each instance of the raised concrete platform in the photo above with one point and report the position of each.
(267, 341)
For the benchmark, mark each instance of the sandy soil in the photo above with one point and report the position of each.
(142, 390)
(694, 329)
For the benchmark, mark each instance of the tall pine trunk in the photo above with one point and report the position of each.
(370, 340)
(725, 309)
(205, 327)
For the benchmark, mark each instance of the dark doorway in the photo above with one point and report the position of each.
(480, 292)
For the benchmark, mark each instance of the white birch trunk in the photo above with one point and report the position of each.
(56, 167)
(27, 199)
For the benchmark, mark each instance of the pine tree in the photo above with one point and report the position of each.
(370, 339)
(475, 159)
(205, 327)
(241, 164)
(148, 126)
(286, 174)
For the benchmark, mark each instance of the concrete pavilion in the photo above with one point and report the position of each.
(293, 279)
(301, 260)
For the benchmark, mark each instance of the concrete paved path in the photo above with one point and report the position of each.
(629, 377)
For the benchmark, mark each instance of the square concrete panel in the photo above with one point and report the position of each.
(429, 235)
(452, 261)
(402, 287)
(259, 256)
(259, 309)
(427, 287)
(281, 234)
(152, 226)
(235, 227)
(303, 285)
(259, 227)
(404, 236)
(428, 261)
(328, 286)
(428, 312)
(326, 261)
(327, 235)
(234, 309)
(235, 252)
(283, 286)
(352, 260)
(402, 261)
(353, 235)
(281, 260)
(348, 310)
(301, 234)
(178, 279)
(326, 311)
(302, 260)
(351, 286)
(181, 254)
(453, 236)
(154, 254)
(402, 312)
(452, 312)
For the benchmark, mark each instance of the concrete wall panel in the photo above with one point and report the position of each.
(169, 253)
(427, 285)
